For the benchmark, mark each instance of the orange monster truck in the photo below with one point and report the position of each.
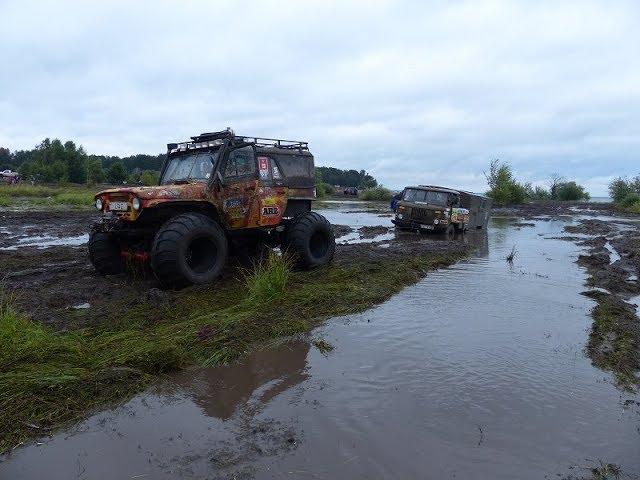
(217, 193)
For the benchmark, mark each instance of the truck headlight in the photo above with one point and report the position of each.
(99, 204)
(436, 221)
(135, 203)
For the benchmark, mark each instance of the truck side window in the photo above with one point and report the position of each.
(240, 163)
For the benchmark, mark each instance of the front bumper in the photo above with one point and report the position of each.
(411, 224)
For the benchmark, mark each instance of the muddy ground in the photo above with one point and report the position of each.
(612, 260)
(57, 285)
(552, 209)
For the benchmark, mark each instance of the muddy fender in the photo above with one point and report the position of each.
(190, 248)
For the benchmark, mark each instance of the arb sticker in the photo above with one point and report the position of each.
(268, 211)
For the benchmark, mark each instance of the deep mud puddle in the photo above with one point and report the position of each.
(44, 229)
(477, 371)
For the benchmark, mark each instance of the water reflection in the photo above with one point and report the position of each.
(260, 377)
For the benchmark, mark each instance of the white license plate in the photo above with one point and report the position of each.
(427, 227)
(118, 206)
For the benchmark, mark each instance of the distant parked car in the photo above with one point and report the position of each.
(351, 191)
(9, 177)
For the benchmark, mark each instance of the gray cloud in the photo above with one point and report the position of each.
(415, 92)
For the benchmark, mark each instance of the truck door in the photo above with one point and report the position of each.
(238, 193)
(272, 193)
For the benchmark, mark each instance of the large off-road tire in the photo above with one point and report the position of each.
(189, 248)
(104, 253)
(310, 240)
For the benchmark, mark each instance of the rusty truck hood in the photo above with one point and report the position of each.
(156, 194)
(149, 197)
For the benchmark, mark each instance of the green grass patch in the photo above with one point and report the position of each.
(267, 281)
(49, 378)
(40, 195)
(376, 194)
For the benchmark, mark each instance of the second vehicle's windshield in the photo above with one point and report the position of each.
(195, 166)
(431, 197)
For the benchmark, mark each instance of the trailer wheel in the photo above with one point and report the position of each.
(310, 239)
(104, 253)
(188, 249)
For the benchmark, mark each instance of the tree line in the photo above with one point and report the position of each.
(54, 161)
(505, 189)
(346, 178)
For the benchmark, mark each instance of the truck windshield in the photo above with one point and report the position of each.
(431, 197)
(194, 166)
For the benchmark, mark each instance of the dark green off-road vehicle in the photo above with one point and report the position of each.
(440, 209)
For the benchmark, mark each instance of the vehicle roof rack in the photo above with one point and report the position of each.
(275, 143)
(214, 139)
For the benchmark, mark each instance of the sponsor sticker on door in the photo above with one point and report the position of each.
(263, 166)
(271, 210)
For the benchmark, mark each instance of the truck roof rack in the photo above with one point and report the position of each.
(214, 139)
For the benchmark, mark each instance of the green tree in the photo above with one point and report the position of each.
(95, 172)
(503, 187)
(621, 188)
(76, 163)
(117, 173)
(366, 180)
(6, 160)
(570, 191)
(149, 177)
(55, 171)
(346, 178)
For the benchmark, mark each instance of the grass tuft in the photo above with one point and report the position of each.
(323, 346)
(268, 280)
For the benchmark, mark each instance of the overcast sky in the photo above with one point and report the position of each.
(413, 92)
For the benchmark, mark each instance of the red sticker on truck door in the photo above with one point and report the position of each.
(263, 166)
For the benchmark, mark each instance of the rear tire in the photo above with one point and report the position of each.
(310, 239)
(104, 253)
(189, 248)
